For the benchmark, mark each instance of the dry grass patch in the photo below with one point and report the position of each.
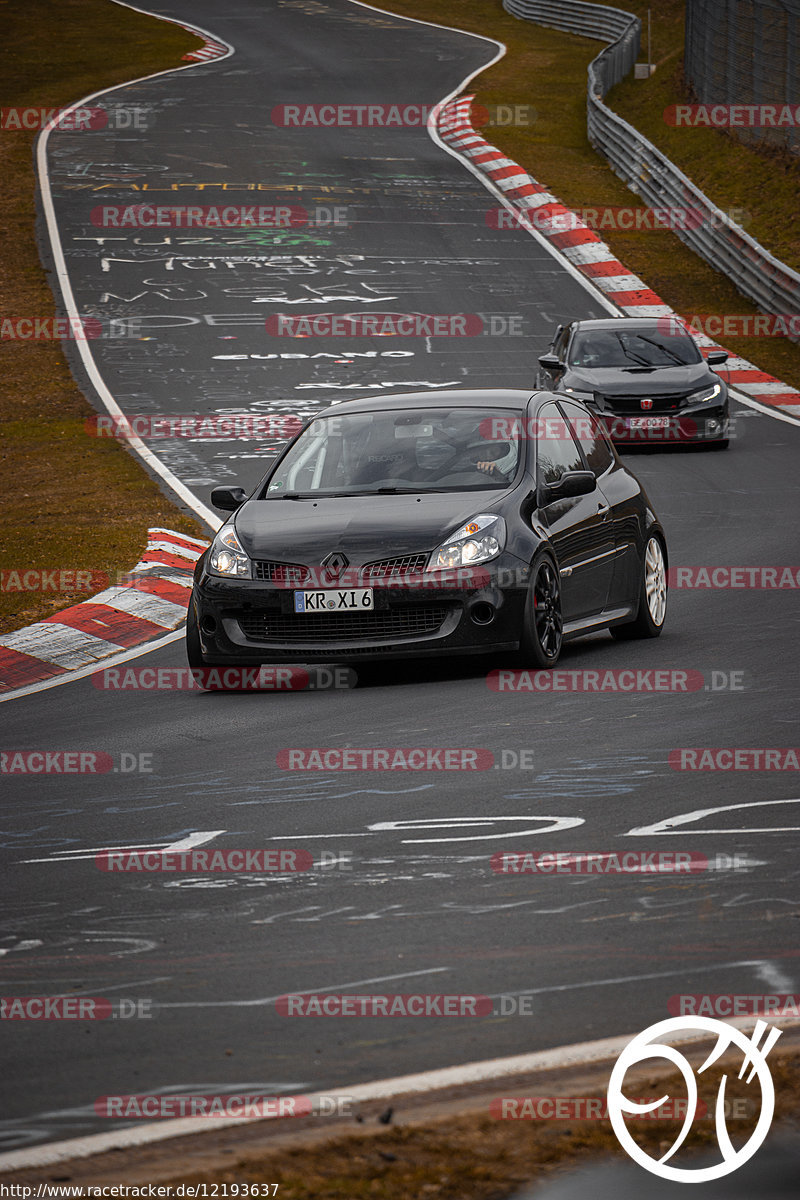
(68, 500)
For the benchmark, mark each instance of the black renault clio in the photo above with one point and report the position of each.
(414, 525)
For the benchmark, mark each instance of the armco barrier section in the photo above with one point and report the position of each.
(769, 283)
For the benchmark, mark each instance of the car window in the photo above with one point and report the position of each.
(556, 452)
(592, 438)
(459, 449)
(599, 348)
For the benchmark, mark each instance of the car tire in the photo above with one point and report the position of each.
(194, 651)
(652, 595)
(542, 626)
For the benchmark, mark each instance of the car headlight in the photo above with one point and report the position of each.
(579, 394)
(476, 541)
(227, 556)
(709, 392)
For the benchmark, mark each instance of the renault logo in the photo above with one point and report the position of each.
(647, 403)
(336, 562)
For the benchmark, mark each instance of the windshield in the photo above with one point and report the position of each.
(400, 450)
(595, 348)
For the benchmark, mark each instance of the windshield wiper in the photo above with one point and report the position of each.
(676, 357)
(408, 491)
(629, 353)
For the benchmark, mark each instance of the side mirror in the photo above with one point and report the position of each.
(716, 358)
(228, 499)
(551, 362)
(573, 483)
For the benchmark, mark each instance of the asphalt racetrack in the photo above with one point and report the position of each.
(403, 897)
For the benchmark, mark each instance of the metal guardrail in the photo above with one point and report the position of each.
(770, 284)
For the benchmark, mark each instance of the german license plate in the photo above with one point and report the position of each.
(648, 422)
(335, 600)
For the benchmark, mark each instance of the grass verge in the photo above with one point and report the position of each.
(546, 69)
(69, 501)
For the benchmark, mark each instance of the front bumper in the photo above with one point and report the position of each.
(245, 622)
(700, 423)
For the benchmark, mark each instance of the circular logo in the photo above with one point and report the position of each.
(644, 1046)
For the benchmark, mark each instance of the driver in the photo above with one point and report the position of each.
(504, 466)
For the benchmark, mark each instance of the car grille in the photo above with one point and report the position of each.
(286, 574)
(394, 568)
(405, 620)
(632, 405)
(297, 574)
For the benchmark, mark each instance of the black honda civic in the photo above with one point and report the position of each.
(645, 378)
(465, 522)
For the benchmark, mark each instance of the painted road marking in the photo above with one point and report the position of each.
(193, 839)
(666, 827)
(264, 1000)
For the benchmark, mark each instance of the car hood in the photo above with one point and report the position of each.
(618, 381)
(362, 527)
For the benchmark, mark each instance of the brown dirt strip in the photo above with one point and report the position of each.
(437, 1146)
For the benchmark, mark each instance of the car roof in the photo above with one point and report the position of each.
(616, 322)
(513, 398)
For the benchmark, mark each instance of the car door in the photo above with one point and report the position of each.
(621, 493)
(579, 527)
